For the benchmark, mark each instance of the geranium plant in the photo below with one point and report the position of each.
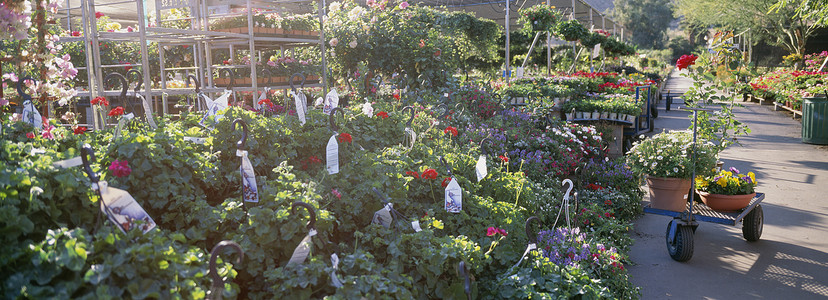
(727, 182)
(539, 18)
(669, 155)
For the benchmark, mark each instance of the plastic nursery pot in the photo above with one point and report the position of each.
(668, 193)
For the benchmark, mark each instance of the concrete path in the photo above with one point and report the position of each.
(791, 259)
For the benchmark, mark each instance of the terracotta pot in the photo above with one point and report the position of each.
(726, 202)
(668, 193)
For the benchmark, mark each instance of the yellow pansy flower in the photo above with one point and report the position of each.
(722, 182)
(752, 177)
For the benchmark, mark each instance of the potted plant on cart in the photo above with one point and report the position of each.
(667, 161)
(728, 190)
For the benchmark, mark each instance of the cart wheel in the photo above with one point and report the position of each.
(651, 124)
(681, 249)
(627, 144)
(654, 111)
(752, 224)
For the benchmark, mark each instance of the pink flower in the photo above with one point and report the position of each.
(30, 135)
(333, 42)
(129, 29)
(47, 131)
(336, 193)
(491, 231)
(98, 15)
(404, 5)
(120, 168)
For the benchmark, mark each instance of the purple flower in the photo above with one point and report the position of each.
(734, 170)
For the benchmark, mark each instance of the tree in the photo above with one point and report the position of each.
(781, 26)
(646, 19)
(813, 10)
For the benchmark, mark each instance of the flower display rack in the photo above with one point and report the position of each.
(780, 106)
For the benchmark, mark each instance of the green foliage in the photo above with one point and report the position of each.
(646, 20)
(539, 18)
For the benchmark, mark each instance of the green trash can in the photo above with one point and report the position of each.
(815, 121)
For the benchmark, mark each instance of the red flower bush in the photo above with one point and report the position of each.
(430, 174)
(267, 102)
(686, 61)
(80, 130)
(382, 114)
(413, 174)
(344, 138)
(451, 130)
(503, 158)
(100, 101)
(115, 112)
(491, 231)
(120, 168)
(396, 96)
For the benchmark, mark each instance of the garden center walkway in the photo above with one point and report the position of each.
(791, 259)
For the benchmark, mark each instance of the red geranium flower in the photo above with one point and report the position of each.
(397, 96)
(413, 174)
(382, 114)
(76, 33)
(30, 135)
(503, 158)
(80, 130)
(430, 174)
(491, 231)
(100, 101)
(686, 61)
(437, 53)
(267, 102)
(344, 138)
(445, 182)
(451, 130)
(115, 112)
(98, 15)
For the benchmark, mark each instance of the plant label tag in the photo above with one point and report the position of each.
(250, 191)
(31, 115)
(214, 106)
(301, 103)
(331, 101)
(121, 123)
(301, 252)
(412, 137)
(68, 163)
(416, 226)
(123, 210)
(454, 197)
(596, 51)
(383, 217)
(148, 110)
(335, 280)
(480, 168)
(332, 155)
(195, 140)
(129, 116)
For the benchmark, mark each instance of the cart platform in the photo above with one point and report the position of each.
(704, 213)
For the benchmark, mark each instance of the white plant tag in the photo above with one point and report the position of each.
(196, 140)
(214, 106)
(121, 123)
(250, 191)
(301, 252)
(412, 137)
(454, 197)
(481, 169)
(263, 96)
(416, 225)
(383, 217)
(332, 155)
(31, 115)
(331, 101)
(123, 210)
(301, 103)
(530, 247)
(335, 280)
(68, 163)
(596, 51)
(148, 110)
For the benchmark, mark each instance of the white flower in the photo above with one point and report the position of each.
(660, 157)
(367, 109)
(655, 164)
(675, 170)
(352, 44)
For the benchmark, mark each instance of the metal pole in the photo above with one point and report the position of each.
(548, 50)
(531, 48)
(145, 66)
(322, 42)
(508, 43)
(252, 42)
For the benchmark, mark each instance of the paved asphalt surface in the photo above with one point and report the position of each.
(790, 261)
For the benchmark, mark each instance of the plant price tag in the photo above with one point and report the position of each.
(416, 225)
(31, 115)
(480, 168)
(123, 210)
(301, 103)
(250, 191)
(383, 217)
(332, 156)
(301, 252)
(68, 163)
(454, 197)
(331, 101)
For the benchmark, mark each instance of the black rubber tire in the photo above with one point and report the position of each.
(654, 111)
(651, 124)
(627, 144)
(682, 247)
(752, 224)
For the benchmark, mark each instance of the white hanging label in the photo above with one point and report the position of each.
(123, 210)
(331, 101)
(301, 103)
(335, 280)
(214, 106)
(31, 115)
(195, 140)
(148, 110)
(454, 197)
(68, 163)
(332, 155)
(480, 169)
(301, 252)
(383, 217)
(596, 51)
(121, 123)
(412, 137)
(416, 226)
(250, 191)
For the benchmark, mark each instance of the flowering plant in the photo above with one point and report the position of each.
(669, 155)
(539, 18)
(727, 182)
(120, 168)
